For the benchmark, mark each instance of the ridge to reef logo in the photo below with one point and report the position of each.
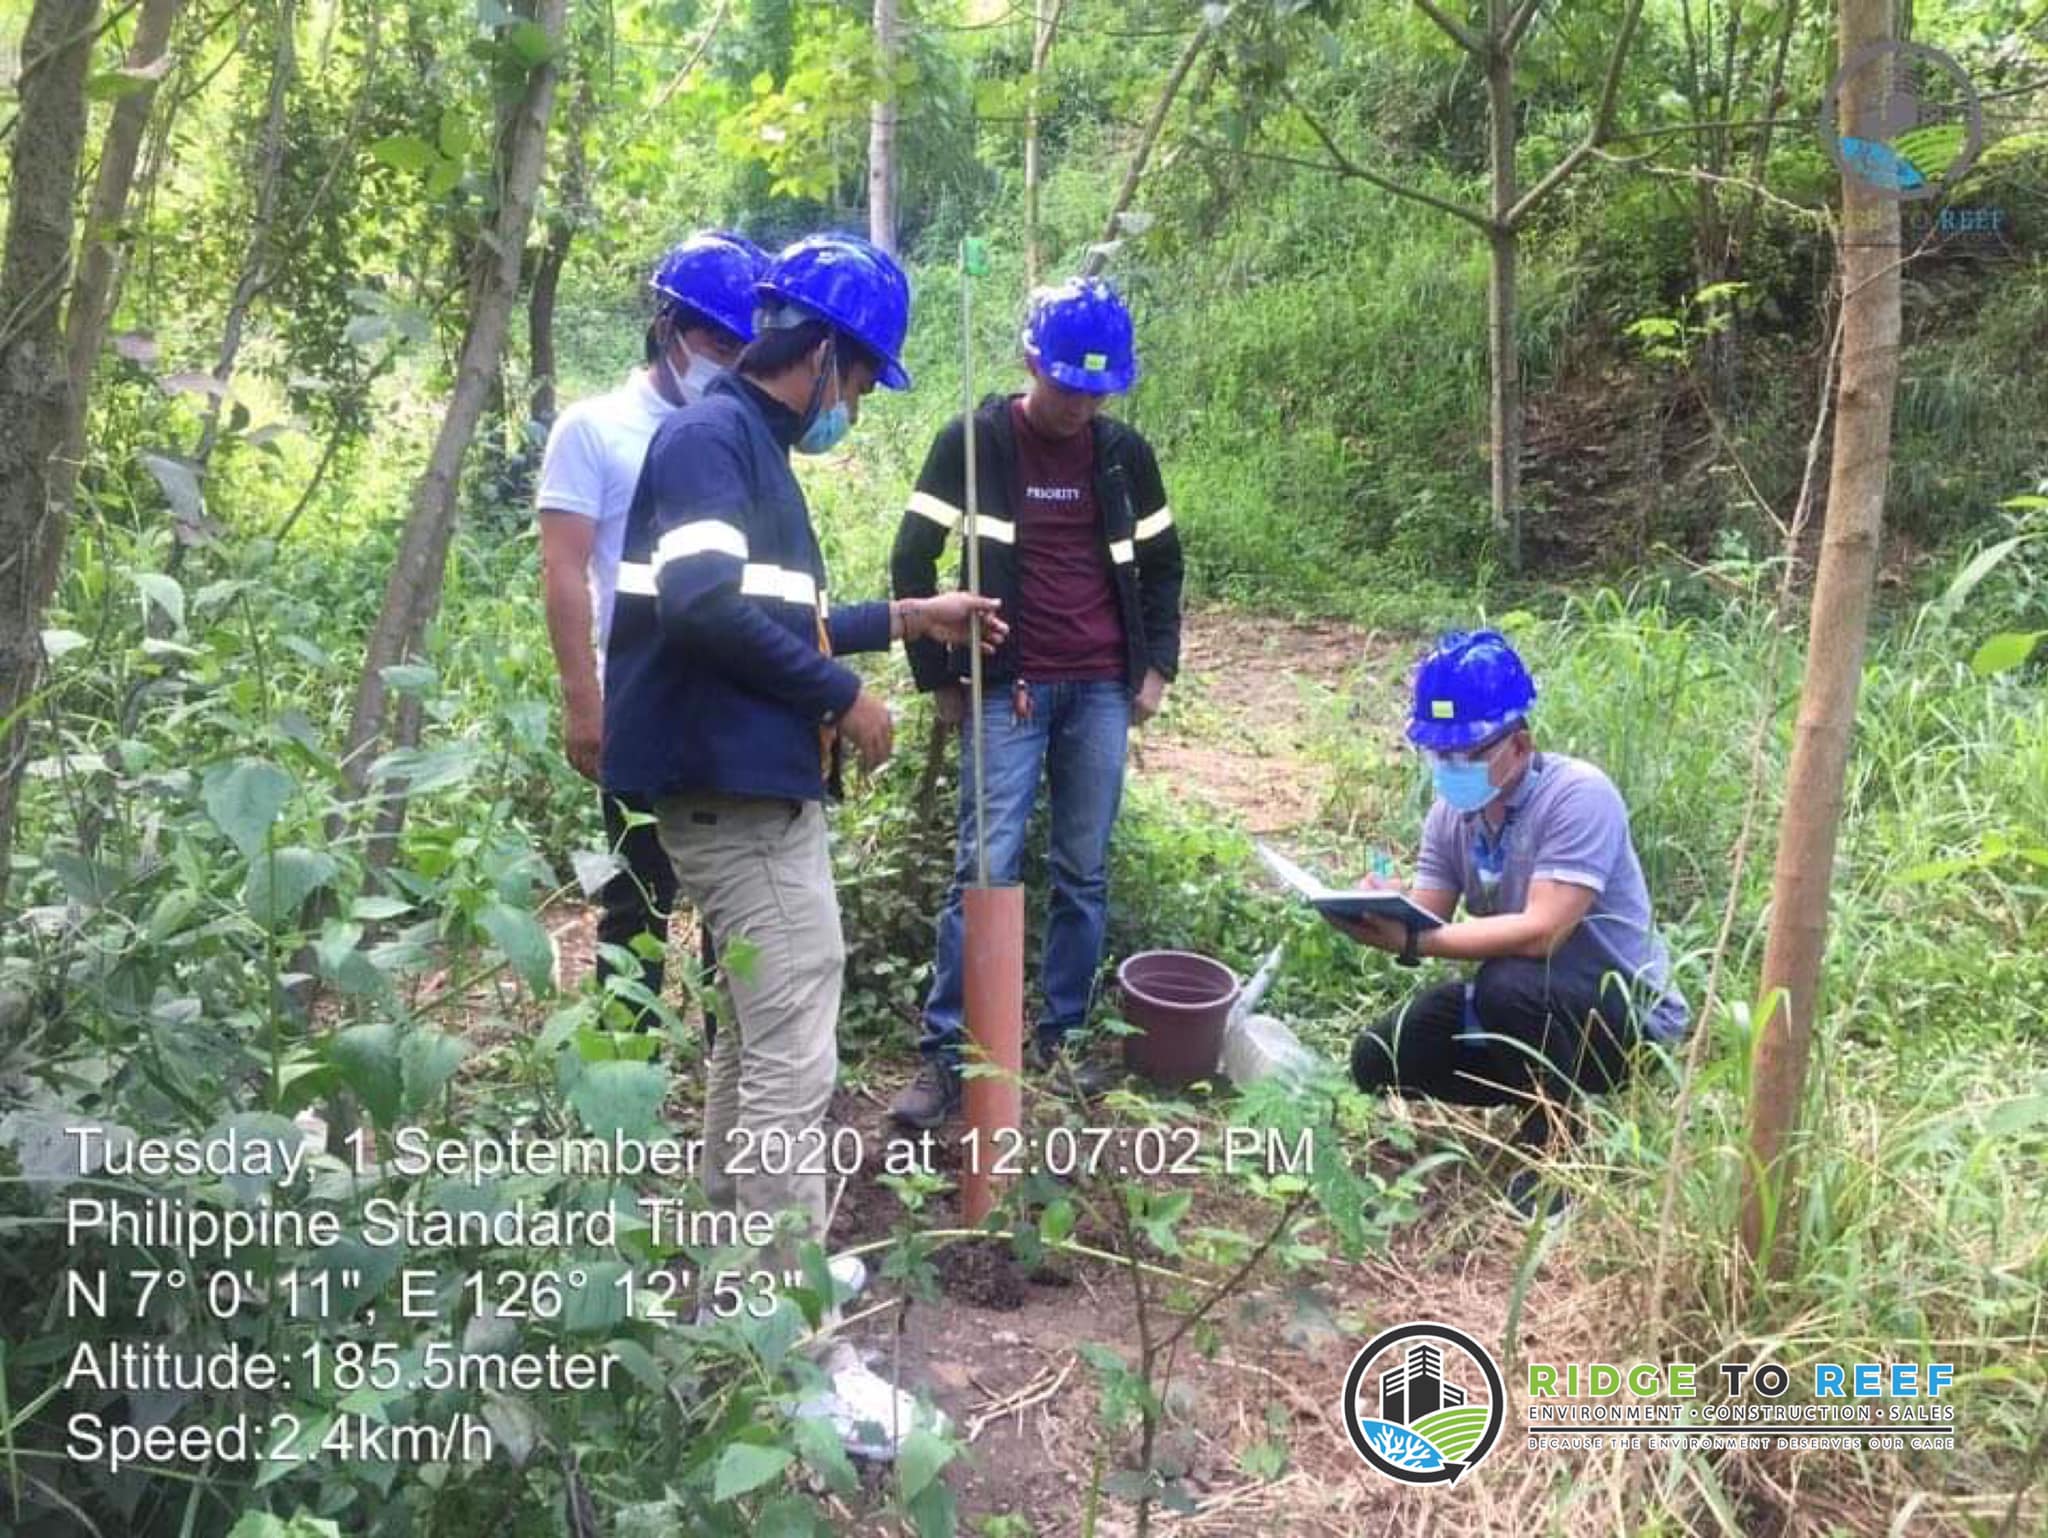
(1918, 125)
(1439, 1400)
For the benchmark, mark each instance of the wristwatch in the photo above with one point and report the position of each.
(1410, 956)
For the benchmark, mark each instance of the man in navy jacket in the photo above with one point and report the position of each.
(724, 700)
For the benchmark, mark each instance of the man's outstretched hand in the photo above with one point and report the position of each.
(868, 727)
(947, 618)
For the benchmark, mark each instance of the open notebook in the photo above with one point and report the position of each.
(1347, 902)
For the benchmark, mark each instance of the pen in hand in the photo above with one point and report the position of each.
(1383, 876)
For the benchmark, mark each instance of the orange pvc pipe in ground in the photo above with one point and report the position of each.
(994, 920)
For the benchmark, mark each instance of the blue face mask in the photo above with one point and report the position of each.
(829, 424)
(827, 428)
(1466, 787)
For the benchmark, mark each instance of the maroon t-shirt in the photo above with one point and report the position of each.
(1067, 624)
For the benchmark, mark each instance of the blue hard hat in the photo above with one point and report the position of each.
(1079, 335)
(1470, 689)
(714, 273)
(857, 287)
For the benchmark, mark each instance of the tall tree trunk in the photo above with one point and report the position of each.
(413, 593)
(1147, 141)
(255, 274)
(35, 382)
(1858, 471)
(91, 309)
(1045, 21)
(570, 210)
(882, 133)
(1503, 356)
(540, 316)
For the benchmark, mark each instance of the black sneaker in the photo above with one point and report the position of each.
(1533, 1197)
(930, 1099)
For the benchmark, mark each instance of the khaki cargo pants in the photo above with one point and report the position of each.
(761, 876)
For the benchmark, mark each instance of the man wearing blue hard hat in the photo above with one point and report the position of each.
(704, 315)
(725, 703)
(1535, 847)
(1078, 541)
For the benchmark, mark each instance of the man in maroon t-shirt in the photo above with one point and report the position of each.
(1079, 544)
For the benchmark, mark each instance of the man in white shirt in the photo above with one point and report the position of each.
(704, 317)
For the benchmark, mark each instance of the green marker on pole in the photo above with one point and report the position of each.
(974, 257)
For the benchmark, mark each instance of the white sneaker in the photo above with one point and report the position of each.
(849, 1277)
(869, 1414)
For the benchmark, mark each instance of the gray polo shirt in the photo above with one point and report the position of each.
(1565, 822)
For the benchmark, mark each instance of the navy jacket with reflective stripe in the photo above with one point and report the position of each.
(714, 678)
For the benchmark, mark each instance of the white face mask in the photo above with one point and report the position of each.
(691, 382)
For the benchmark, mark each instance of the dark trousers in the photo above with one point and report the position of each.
(640, 898)
(1531, 1033)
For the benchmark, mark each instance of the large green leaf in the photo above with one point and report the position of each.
(596, 1302)
(519, 1428)
(179, 482)
(2005, 651)
(523, 942)
(620, 1097)
(244, 799)
(530, 43)
(456, 138)
(919, 1463)
(369, 1061)
(164, 592)
(427, 1060)
(933, 1512)
(825, 1455)
(113, 84)
(405, 152)
(747, 1466)
(280, 882)
(247, 1129)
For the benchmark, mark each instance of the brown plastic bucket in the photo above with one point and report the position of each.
(1178, 1002)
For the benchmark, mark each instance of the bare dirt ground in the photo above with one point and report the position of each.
(1252, 692)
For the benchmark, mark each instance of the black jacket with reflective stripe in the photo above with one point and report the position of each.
(1138, 539)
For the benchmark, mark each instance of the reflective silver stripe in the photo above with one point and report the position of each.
(996, 530)
(797, 587)
(1122, 551)
(944, 514)
(705, 536)
(636, 580)
(1155, 525)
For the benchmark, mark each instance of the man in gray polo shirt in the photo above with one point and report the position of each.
(1536, 849)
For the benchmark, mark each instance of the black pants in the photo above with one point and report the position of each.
(1541, 1034)
(639, 899)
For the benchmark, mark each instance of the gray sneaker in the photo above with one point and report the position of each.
(1066, 1071)
(928, 1100)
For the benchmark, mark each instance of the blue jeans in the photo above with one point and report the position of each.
(1077, 735)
